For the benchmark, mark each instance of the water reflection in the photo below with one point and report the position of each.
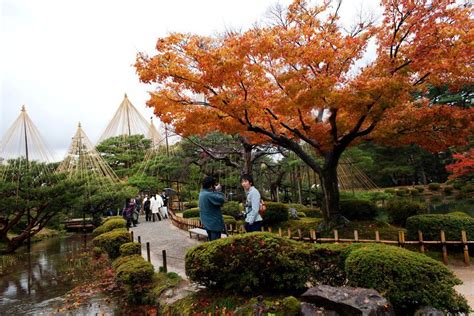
(36, 283)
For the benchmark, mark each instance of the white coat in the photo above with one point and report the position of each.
(155, 204)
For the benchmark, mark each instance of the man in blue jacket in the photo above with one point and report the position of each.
(210, 203)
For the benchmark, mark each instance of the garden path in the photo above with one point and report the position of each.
(163, 235)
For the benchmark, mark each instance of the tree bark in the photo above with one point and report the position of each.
(247, 157)
(330, 188)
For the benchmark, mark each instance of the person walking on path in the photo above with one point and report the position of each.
(253, 220)
(128, 211)
(156, 203)
(210, 202)
(164, 208)
(147, 208)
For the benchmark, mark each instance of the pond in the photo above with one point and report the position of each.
(36, 283)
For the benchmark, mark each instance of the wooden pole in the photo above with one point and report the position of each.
(148, 257)
(377, 236)
(465, 248)
(444, 248)
(336, 236)
(356, 236)
(420, 239)
(165, 265)
(139, 239)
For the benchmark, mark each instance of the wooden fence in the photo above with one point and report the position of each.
(314, 237)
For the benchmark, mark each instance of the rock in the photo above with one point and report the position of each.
(429, 311)
(348, 301)
(309, 309)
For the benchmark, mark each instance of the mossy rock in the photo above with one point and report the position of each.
(131, 248)
(112, 241)
(110, 225)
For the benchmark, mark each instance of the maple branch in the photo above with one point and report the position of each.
(305, 127)
(226, 159)
(297, 132)
(419, 81)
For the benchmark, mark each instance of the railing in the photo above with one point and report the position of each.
(314, 237)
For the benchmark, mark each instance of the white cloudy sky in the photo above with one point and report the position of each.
(71, 61)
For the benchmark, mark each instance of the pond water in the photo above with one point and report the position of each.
(37, 282)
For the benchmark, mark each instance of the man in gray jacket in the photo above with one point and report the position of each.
(210, 203)
(253, 220)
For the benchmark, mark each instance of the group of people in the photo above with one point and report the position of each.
(155, 206)
(211, 200)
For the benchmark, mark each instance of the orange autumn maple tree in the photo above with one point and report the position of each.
(304, 79)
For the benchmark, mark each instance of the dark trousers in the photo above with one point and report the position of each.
(148, 215)
(156, 215)
(213, 235)
(255, 227)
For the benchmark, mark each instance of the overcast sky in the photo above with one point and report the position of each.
(71, 61)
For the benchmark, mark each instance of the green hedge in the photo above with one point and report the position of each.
(131, 248)
(301, 214)
(431, 225)
(275, 213)
(229, 220)
(254, 262)
(136, 275)
(232, 208)
(191, 204)
(108, 218)
(434, 186)
(358, 209)
(192, 212)
(407, 279)
(420, 189)
(313, 213)
(110, 225)
(122, 259)
(468, 188)
(112, 241)
(448, 189)
(399, 210)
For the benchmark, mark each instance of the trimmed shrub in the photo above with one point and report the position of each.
(229, 220)
(434, 186)
(390, 191)
(110, 225)
(431, 225)
(298, 207)
(468, 188)
(420, 188)
(108, 218)
(275, 213)
(301, 214)
(135, 270)
(112, 241)
(402, 192)
(448, 189)
(121, 260)
(313, 213)
(457, 185)
(136, 275)
(232, 208)
(414, 192)
(407, 279)
(97, 252)
(459, 214)
(257, 262)
(192, 212)
(191, 204)
(358, 209)
(399, 210)
(131, 248)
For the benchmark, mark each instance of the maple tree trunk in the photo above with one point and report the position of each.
(247, 155)
(330, 205)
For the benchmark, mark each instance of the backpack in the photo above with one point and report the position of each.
(262, 208)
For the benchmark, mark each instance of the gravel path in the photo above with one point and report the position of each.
(163, 235)
(466, 274)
